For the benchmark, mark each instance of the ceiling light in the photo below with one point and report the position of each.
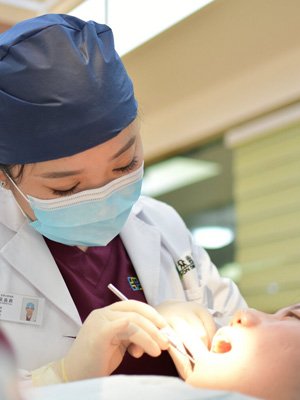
(133, 21)
(175, 173)
(213, 237)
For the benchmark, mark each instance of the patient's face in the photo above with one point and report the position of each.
(258, 354)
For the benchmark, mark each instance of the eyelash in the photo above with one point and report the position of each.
(128, 167)
(64, 192)
(70, 191)
(290, 314)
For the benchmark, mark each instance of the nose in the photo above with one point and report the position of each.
(245, 318)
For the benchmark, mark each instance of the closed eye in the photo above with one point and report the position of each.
(128, 167)
(292, 314)
(67, 192)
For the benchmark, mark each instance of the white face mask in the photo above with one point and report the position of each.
(89, 218)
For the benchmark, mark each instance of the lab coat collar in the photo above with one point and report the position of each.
(137, 207)
(28, 253)
(146, 262)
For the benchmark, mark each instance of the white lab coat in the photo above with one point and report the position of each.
(155, 238)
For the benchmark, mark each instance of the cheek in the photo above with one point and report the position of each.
(272, 359)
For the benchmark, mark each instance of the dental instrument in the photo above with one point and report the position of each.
(166, 331)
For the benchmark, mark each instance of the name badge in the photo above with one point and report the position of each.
(21, 308)
(187, 271)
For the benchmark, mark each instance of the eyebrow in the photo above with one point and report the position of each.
(124, 148)
(60, 174)
(63, 174)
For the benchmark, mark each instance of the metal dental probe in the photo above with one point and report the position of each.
(121, 296)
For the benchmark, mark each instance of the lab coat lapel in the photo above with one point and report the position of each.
(28, 253)
(147, 262)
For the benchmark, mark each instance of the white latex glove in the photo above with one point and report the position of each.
(103, 340)
(194, 328)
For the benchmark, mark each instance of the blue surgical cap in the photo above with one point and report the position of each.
(63, 89)
(30, 305)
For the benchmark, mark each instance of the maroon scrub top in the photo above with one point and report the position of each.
(87, 275)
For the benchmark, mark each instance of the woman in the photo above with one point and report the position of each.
(257, 354)
(72, 219)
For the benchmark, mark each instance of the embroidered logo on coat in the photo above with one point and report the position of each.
(184, 265)
(134, 283)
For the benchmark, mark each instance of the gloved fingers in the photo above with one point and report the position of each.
(202, 321)
(189, 336)
(119, 331)
(140, 308)
(139, 324)
(139, 341)
(197, 329)
(197, 316)
(182, 363)
(137, 313)
(135, 351)
(141, 337)
(208, 323)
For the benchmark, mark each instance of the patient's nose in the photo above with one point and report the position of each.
(246, 318)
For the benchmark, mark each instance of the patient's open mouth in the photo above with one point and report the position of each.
(220, 344)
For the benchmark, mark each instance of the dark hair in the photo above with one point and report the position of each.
(7, 169)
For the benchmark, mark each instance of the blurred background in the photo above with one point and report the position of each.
(218, 86)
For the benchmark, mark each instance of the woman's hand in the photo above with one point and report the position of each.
(106, 335)
(193, 326)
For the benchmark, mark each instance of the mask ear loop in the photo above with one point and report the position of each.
(21, 193)
(16, 187)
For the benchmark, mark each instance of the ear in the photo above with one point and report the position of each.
(3, 180)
